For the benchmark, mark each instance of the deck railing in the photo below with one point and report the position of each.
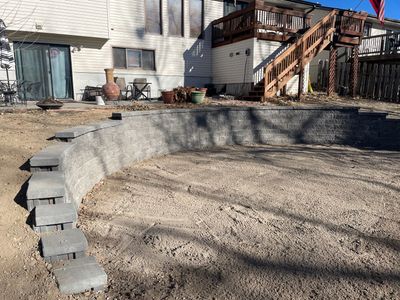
(350, 23)
(381, 45)
(259, 20)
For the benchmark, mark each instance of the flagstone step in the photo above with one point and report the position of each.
(54, 217)
(63, 245)
(49, 159)
(80, 275)
(45, 188)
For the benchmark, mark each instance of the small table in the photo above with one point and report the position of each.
(139, 89)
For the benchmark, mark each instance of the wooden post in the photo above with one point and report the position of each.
(332, 71)
(355, 67)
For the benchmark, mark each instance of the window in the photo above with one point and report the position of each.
(175, 17)
(196, 12)
(229, 6)
(153, 16)
(367, 29)
(134, 58)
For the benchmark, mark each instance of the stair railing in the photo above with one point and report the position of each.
(298, 54)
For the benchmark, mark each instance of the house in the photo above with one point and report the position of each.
(62, 47)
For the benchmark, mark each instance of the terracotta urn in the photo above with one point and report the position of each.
(111, 90)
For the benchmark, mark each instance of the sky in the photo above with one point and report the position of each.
(392, 6)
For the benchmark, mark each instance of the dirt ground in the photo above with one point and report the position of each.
(285, 222)
(24, 275)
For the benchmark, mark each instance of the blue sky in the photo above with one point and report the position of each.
(392, 6)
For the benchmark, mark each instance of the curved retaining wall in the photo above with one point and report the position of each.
(89, 153)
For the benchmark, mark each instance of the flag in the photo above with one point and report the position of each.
(6, 55)
(379, 7)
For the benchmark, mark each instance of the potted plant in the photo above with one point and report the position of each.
(167, 96)
(198, 97)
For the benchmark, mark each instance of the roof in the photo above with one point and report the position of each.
(318, 5)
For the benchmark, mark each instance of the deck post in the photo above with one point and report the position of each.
(355, 69)
(332, 70)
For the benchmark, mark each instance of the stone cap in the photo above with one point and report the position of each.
(50, 156)
(45, 185)
(55, 214)
(77, 131)
(80, 275)
(129, 114)
(63, 242)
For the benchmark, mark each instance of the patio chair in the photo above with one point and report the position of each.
(141, 86)
(125, 89)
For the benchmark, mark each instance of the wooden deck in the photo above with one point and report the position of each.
(259, 21)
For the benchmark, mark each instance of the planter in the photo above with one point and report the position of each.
(111, 90)
(49, 104)
(198, 97)
(168, 96)
(203, 90)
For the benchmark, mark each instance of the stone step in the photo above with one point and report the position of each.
(80, 275)
(49, 159)
(54, 217)
(45, 188)
(63, 245)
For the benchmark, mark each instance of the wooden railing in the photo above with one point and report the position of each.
(381, 45)
(286, 65)
(261, 21)
(350, 23)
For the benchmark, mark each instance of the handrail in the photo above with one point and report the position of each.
(298, 54)
(382, 44)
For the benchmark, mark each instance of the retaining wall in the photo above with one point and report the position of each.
(99, 150)
(87, 154)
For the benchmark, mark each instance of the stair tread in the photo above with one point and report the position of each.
(80, 275)
(63, 242)
(55, 214)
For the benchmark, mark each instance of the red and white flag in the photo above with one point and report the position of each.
(379, 7)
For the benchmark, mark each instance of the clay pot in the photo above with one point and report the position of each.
(111, 90)
(204, 90)
(168, 96)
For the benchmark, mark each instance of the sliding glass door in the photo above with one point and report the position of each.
(45, 70)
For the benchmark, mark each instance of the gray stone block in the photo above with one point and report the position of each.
(49, 159)
(80, 275)
(31, 204)
(46, 185)
(54, 217)
(75, 132)
(69, 243)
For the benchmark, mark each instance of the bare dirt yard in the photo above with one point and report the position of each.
(290, 221)
(261, 222)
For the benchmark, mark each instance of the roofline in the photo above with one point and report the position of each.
(331, 8)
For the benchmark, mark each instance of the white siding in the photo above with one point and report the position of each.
(69, 17)
(179, 60)
(231, 64)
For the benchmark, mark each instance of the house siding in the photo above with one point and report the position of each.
(73, 17)
(179, 60)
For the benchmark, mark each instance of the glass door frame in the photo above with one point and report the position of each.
(49, 45)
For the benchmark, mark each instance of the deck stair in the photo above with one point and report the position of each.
(338, 28)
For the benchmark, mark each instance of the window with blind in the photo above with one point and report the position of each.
(125, 58)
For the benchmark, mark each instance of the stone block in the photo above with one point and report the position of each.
(49, 159)
(72, 133)
(80, 275)
(54, 217)
(65, 244)
(45, 188)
